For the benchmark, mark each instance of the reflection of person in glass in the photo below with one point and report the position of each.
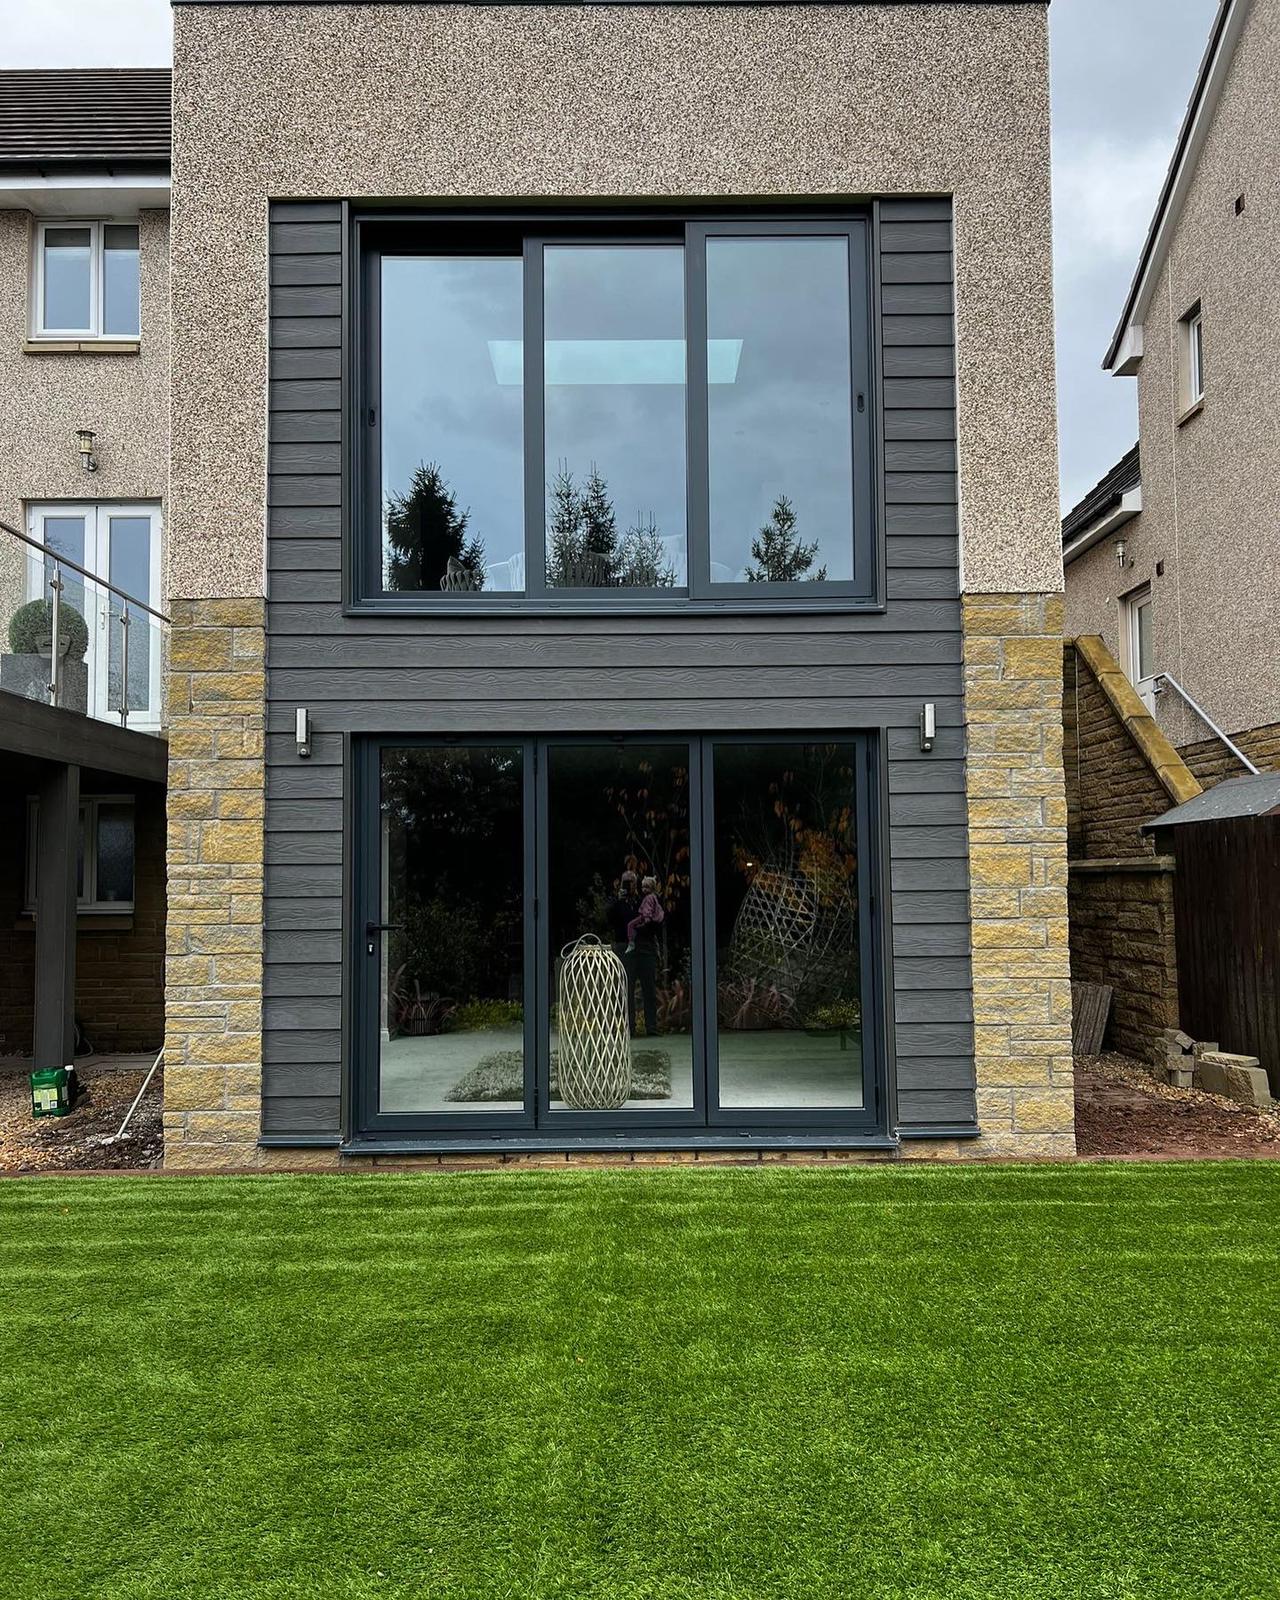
(619, 913)
(642, 952)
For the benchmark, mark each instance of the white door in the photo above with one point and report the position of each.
(1142, 669)
(120, 545)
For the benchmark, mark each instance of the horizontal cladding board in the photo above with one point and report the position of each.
(612, 716)
(923, 423)
(897, 238)
(315, 396)
(904, 874)
(305, 238)
(920, 361)
(301, 978)
(316, 428)
(937, 1074)
(323, 618)
(305, 364)
(925, 1108)
(903, 299)
(912, 330)
(298, 1115)
(913, 394)
(297, 270)
(305, 300)
(918, 455)
(919, 268)
(303, 1080)
(941, 1004)
(293, 1012)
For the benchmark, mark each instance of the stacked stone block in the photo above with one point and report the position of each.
(1018, 858)
(213, 971)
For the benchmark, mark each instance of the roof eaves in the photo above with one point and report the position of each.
(1227, 28)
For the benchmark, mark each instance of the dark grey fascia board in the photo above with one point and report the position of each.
(81, 166)
(52, 733)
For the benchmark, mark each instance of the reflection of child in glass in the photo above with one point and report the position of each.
(649, 914)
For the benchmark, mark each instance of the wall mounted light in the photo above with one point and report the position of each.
(84, 443)
(928, 725)
(302, 730)
(1122, 553)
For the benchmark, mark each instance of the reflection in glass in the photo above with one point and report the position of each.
(129, 545)
(114, 864)
(618, 818)
(788, 988)
(452, 962)
(614, 389)
(452, 430)
(120, 279)
(780, 436)
(67, 281)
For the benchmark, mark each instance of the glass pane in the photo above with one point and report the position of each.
(120, 279)
(452, 424)
(622, 1018)
(780, 427)
(788, 989)
(115, 852)
(615, 416)
(1142, 619)
(130, 558)
(66, 536)
(452, 963)
(67, 275)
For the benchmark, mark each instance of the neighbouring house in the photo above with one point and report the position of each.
(607, 381)
(1172, 562)
(84, 451)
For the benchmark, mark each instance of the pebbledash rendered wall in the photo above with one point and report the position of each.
(298, 101)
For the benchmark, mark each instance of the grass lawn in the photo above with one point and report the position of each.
(999, 1382)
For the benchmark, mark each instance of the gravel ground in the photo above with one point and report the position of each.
(58, 1144)
(1121, 1110)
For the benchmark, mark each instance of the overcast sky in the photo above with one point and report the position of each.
(1123, 70)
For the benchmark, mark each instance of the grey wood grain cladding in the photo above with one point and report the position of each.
(576, 673)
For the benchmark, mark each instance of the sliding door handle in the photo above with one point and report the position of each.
(373, 929)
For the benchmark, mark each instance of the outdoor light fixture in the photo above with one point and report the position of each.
(1122, 552)
(84, 443)
(928, 725)
(302, 730)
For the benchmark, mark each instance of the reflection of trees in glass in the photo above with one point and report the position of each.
(795, 931)
(780, 554)
(584, 550)
(454, 843)
(426, 537)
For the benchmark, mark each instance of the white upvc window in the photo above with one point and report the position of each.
(86, 282)
(1192, 343)
(1139, 644)
(118, 544)
(104, 863)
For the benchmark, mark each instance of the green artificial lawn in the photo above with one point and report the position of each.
(770, 1381)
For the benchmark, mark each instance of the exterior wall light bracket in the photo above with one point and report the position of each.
(84, 443)
(928, 725)
(302, 731)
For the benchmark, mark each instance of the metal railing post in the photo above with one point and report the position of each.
(124, 666)
(55, 677)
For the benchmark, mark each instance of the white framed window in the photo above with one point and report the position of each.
(1192, 358)
(86, 281)
(118, 544)
(104, 862)
(1139, 644)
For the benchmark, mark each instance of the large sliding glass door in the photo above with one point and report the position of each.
(596, 937)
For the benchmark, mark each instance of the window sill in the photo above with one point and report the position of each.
(453, 609)
(1193, 410)
(82, 347)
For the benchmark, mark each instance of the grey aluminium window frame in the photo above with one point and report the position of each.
(539, 1125)
(527, 234)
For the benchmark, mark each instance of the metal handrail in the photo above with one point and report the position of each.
(1162, 678)
(93, 577)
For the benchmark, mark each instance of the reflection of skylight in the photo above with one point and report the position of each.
(614, 360)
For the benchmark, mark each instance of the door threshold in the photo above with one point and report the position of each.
(605, 1144)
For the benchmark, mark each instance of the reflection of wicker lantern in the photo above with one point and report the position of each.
(594, 1056)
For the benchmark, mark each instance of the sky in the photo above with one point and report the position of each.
(1122, 73)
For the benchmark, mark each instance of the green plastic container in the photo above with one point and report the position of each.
(52, 1092)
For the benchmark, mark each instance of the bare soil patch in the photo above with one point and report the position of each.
(1121, 1110)
(79, 1141)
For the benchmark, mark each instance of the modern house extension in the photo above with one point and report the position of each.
(614, 570)
(84, 405)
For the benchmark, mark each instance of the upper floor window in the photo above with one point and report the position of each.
(1192, 358)
(646, 410)
(87, 280)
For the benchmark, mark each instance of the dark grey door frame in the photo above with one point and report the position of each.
(539, 1124)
